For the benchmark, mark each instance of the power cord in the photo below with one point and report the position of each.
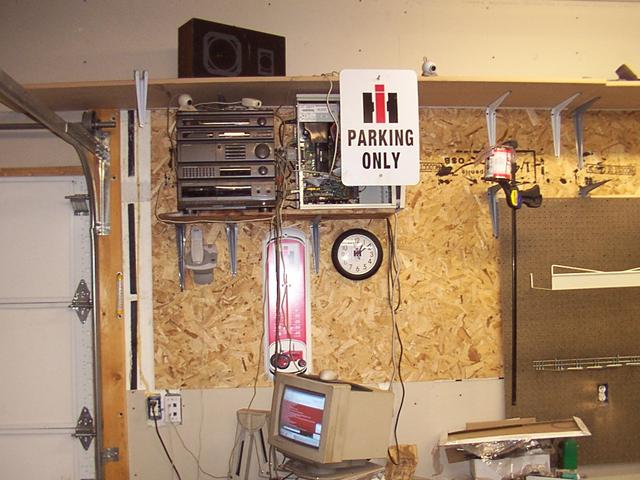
(164, 447)
(195, 458)
(393, 286)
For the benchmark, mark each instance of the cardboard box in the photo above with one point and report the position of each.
(524, 430)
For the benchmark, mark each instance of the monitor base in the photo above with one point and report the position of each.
(353, 471)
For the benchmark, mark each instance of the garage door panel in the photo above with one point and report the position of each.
(35, 366)
(35, 240)
(27, 451)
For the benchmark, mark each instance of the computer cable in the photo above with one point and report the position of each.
(164, 447)
(394, 286)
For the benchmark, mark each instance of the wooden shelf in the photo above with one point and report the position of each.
(228, 216)
(475, 92)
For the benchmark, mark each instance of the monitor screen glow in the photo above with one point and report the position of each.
(301, 413)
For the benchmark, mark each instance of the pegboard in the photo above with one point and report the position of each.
(600, 234)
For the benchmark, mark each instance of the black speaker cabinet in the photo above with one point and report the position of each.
(209, 49)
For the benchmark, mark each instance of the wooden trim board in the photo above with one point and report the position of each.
(475, 92)
(112, 347)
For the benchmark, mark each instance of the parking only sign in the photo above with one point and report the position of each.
(379, 127)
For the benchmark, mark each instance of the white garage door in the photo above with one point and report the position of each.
(46, 360)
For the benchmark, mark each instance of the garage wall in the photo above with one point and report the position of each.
(69, 40)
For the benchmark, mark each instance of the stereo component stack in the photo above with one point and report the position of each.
(225, 160)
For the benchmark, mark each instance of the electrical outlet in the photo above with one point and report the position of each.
(603, 393)
(173, 408)
(154, 407)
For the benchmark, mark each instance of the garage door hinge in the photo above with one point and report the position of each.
(111, 455)
(81, 302)
(85, 430)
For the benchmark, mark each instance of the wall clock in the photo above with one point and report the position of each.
(357, 254)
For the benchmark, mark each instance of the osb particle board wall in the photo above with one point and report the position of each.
(209, 336)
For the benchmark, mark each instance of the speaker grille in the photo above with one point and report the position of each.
(235, 152)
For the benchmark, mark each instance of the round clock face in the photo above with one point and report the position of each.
(357, 254)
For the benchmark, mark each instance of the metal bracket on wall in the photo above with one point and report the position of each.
(180, 249)
(111, 454)
(232, 239)
(79, 203)
(577, 115)
(81, 302)
(85, 429)
(142, 84)
(492, 193)
(103, 222)
(556, 113)
(315, 243)
(490, 113)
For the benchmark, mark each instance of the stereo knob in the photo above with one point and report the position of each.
(262, 151)
(262, 121)
(262, 170)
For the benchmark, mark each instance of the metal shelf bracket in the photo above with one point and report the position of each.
(142, 84)
(232, 240)
(180, 239)
(577, 115)
(492, 193)
(315, 243)
(490, 113)
(555, 122)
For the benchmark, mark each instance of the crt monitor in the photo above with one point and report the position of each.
(329, 423)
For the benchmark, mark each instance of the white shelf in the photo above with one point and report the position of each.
(564, 277)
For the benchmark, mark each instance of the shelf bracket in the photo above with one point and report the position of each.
(180, 247)
(555, 122)
(492, 193)
(232, 240)
(577, 115)
(490, 113)
(315, 243)
(142, 83)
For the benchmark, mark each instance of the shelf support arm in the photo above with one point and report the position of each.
(315, 243)
(492, 192)
(578, 115)
(490, 113)
(232, 240)
(555, 122)
(180, 239)
(142, 84)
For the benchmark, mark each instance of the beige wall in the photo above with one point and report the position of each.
(430, 408)
(66, 40)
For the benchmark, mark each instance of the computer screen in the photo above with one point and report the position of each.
(329, 423)
(301, 415)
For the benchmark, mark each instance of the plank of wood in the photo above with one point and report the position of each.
(112, 339)
(475, 92)
(499, 423)
(40, 172)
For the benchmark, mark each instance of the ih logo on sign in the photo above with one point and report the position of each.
(383, 105)
(379, 127)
